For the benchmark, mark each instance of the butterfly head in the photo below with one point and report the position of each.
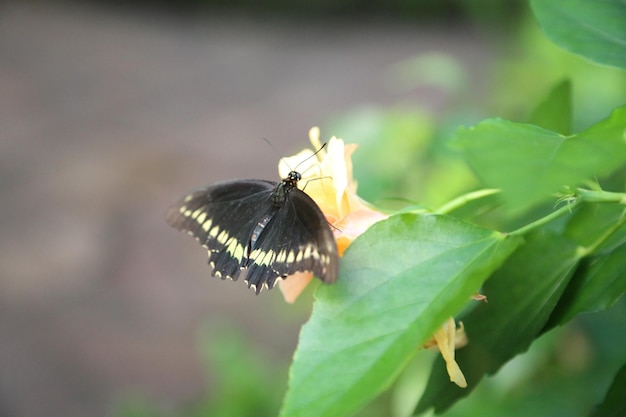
(292, 179)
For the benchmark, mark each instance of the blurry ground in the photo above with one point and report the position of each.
(107, 117)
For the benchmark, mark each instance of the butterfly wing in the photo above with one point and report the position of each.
(297, 238)
(222, 218)
(241, 225)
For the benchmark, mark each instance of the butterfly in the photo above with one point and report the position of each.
(271, 230)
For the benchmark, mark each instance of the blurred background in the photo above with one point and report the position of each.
(110, 111)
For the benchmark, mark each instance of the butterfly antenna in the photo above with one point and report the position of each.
(310, 156)
(275, 151)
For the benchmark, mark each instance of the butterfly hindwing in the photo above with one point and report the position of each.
(222, 218)
(297, 238)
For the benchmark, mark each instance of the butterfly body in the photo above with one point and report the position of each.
(269, 229)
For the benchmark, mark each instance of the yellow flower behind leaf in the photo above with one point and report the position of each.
(447, 338)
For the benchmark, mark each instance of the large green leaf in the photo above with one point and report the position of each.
(530, 164)
(522, 295)
(591, 28)
(399, 281)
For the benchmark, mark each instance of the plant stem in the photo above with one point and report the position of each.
(547, 219)
(582, 196)
(464, 199)
(591, 196)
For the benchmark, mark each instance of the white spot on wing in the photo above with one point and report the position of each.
(222, 237)
(235, 249)
(255, 254)
(196, 213)
(268, 259)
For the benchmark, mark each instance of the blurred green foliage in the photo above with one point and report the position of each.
(243, 380)
(411, 146)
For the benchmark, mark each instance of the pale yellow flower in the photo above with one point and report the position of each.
(327, 179)
(447, 338)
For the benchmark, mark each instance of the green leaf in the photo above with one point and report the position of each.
(591, 28)
(614, 404)
(598, 227)
(597, 287)
(521, 296)
(601, 279)
(399, 282)
(554, 112)
(530, 164)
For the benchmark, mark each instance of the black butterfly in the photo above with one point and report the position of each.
(272, 229)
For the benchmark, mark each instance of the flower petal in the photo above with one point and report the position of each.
(327, 179)
(446, 338)
(294, 284)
